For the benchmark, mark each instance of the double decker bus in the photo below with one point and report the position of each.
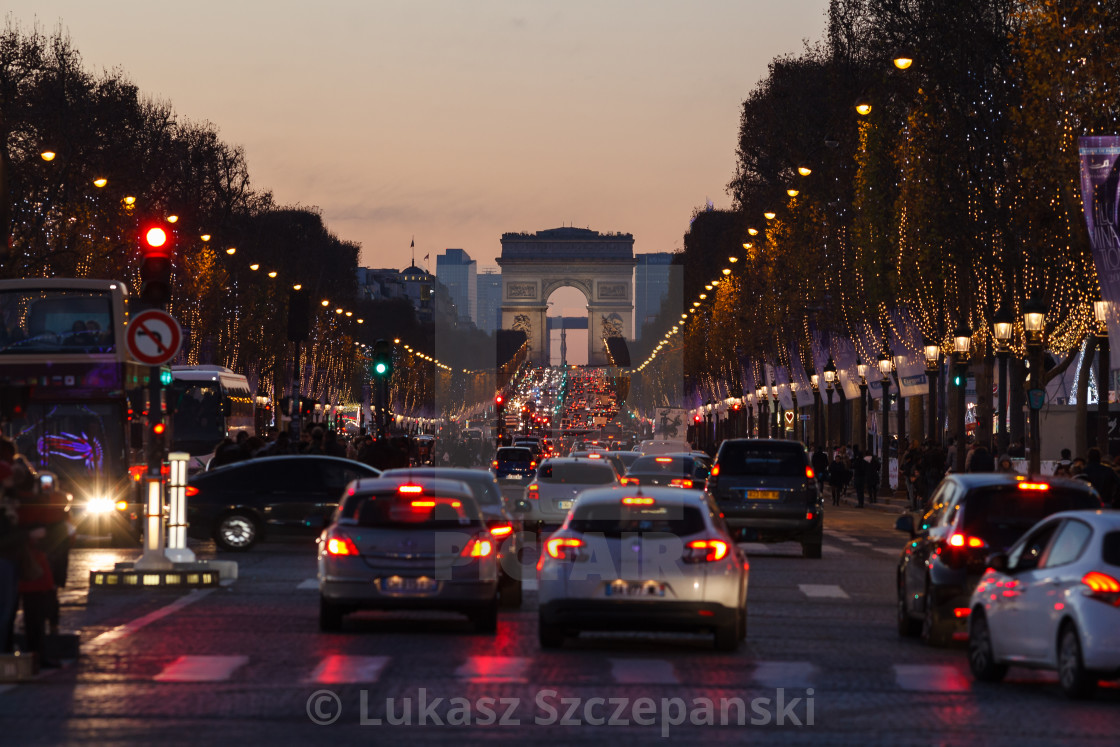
(63, 350)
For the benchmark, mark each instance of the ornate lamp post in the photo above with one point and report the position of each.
(1100, 310)
(777, 411)
(962, 341)
(750, 414)
(796, 417)
(1002, 328)
(815, 383)
(932, 352)
(885, 365)
(829, 378)
(862, 368)
(763, 412)
(1034, 325)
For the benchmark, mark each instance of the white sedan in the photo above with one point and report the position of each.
(643, 559)
(1052, 602)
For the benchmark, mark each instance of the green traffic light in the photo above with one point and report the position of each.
(380, 368)
(165, 377)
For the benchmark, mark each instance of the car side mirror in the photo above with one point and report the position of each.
(997, 561)
(905, 523)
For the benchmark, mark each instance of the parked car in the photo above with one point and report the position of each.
(1052, 602)
(767, 492)
(556, 485)
(401, 543)
(504, 526)
(513, 463)
(591, 575)
(677, 471)
(971, 516)
(243, 503)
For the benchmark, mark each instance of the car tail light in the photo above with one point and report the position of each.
(663, 460)
(1102, 587)
(681, 483)
(192, 491)
(961, 612)
(636, 501)
(706, 550)
(494, 464)
(340, 544)
(1033, 486)
(809, 474)
(533, 492)
(501, 530)
(962, 540)
(137, 471)
(560, 548)
(715, 470)
(629, 481)
(410, 489)
(532, 464)
(478, 547)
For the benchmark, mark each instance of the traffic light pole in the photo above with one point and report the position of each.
(154, 558)
(294, 409)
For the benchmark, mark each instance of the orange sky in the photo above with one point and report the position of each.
(458, 120)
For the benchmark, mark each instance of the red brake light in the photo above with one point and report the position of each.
(556, 547)
(809, 474)
(494, 464)
(637, 501)
(715, 470)
(191, 491)
(423, 504)
(501, 530)
(478, 548)
(681, 483)
(663, 460)
(961, 611)
(532, 464)
(1103, 587)
(594, 456)
(411, 489)
(1033, 486)
(960, 540)
(341, 545)
(707, 550)
(533, 492)
(137, 472)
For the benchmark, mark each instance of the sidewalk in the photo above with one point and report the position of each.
(893, 502)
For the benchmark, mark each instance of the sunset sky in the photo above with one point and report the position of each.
(458, 120)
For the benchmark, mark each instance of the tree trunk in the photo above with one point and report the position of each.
(1017, 399)
(984, 410)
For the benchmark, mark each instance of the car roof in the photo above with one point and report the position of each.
(971, 480)
(1098, 517)
(289, 457)
(458, 488)
(574, 460)
(443, 473)
(659, 494)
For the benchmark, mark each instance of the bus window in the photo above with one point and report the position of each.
(198, 425)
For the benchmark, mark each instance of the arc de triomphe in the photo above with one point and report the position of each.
(601, 266)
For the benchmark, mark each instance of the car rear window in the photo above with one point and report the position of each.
(394, 510)
(482, 485)
(1001, 514)
(662, 465)
(579, 474)
(1110, 548)
(510, 454)
(614, 520)
(761, 460)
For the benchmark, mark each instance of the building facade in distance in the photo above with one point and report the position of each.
(651, 286)
(456, 272)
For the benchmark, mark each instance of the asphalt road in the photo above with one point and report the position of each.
(246, 664)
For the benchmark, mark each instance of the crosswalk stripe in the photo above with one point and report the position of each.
(490, 669)
(887, 550)
(931, 678)
(823, 591)
(643, 672)
(792, 674)
(311, 583)
(338, 669)
(201, 668)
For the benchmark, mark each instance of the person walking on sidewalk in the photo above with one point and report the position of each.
(873, 476)
(837, 476)
(859, 474)
(819, 462)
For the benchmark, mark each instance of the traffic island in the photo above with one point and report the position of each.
(198, 575)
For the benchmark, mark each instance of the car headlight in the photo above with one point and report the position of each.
(100, 505)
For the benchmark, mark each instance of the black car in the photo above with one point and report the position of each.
(242, 503)
(505, 529)
(766, 491)
(669, 470)
(971, 517)
(515, 463)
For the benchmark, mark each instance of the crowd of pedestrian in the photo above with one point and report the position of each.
(843, 468)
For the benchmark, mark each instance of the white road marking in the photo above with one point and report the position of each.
(311, 583)
(123, 631)
(201, 668)
(859, 543)
(823, 591)
(888, 550)
(338, 669)
(792, 674)
(490, 669)
(931, 678)
(643, 672)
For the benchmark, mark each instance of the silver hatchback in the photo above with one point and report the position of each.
(557, 484)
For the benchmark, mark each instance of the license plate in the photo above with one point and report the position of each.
(634, 589)
(564, 505)
(762, 495)
(408, 585)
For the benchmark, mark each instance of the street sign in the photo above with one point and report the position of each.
(1036, 398)
(154, 337)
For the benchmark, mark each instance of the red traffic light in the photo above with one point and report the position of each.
(155, 237)
(696, 418)
(499, 400)
(159, 428)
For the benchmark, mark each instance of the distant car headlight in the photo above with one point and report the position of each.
(100, 505)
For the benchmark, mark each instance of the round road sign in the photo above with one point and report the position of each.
(154, 337)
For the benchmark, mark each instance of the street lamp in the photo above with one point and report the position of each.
(1003, 326)
(862, 369)
(815, 383)
(829, 378)
(962, 341)
(932, 352)
(763, 412)
(1034, 324)
(885, 366)
(777, 410)
(1100, 311)
(796, 412)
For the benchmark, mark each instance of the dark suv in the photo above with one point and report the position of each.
(515, 463)
(766, 491)
(972, 516)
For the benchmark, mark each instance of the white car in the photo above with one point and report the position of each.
(643, 559)
(1052, 602)
(662, 446)
(557, 484)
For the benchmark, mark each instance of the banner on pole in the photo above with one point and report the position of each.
(1100, 175)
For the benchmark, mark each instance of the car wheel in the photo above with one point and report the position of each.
(236, 532)
(550, 636)
(330, 616)
(1076, 682)
(933, 628)
(811, 549)
(981, 659)
(510, 593)
(908, 627)
(727, 635)
(486, 619)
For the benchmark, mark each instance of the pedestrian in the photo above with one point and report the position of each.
(859, 474)
(874, 467)
(819, 462)
(316, 446)
(837, 476)
(37, 590)
(909, 470)
(981, 460)
(1004, 464)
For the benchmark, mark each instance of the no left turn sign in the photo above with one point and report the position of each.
(154, 337)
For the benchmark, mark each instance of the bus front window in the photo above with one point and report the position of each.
(38, 321)
(198, 424)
